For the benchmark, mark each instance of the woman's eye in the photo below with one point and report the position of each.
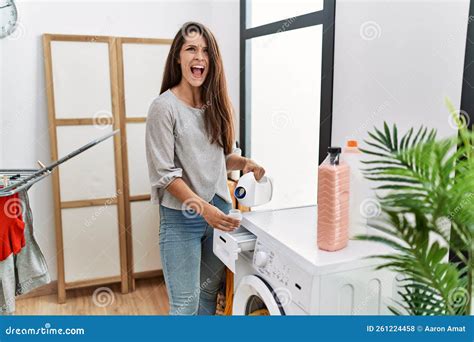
(190, 49)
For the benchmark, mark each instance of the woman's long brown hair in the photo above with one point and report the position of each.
(218, 116)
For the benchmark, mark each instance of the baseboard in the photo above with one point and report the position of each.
(148, 274)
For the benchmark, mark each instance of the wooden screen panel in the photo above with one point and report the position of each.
(146, 223)
(91, 244)
(141, 65)
(83, 96)
(139, 183)
(81, 79)
(143, 73)
(90, 175)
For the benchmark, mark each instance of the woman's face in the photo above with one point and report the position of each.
(194, 61)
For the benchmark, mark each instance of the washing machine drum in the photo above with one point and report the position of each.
(254, 296)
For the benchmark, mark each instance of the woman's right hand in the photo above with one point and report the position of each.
(218, 220)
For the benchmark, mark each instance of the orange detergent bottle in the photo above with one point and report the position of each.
(333, 202)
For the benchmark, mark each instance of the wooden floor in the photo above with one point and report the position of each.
(149, 298)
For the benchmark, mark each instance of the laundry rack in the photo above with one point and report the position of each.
(23, 179)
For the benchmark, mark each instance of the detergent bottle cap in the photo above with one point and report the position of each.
(352, 143)
(334, 152)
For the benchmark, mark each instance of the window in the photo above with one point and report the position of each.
(260, 12)
(286, 93)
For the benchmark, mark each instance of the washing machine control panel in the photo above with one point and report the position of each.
(270, 265)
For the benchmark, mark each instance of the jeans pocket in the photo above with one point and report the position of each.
(221, 204)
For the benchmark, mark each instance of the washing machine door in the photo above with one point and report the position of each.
(255, 296)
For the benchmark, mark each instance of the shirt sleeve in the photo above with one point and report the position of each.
(159, 141)
(235, 150)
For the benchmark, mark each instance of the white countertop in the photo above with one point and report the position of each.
(295, 229)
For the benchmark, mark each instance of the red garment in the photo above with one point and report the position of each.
(12, 227)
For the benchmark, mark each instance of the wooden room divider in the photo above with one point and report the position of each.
(95, 84)
(140, 70)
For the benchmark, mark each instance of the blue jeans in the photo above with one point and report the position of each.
(193, 274)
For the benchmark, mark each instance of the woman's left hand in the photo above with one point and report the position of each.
(250, 166)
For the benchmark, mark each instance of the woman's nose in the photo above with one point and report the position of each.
(199, 55)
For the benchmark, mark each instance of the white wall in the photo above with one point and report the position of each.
(396, 61)
(23, 111)
(1, 106)
(411, 58)
(225, 23)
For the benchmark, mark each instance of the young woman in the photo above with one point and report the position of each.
(189, 141)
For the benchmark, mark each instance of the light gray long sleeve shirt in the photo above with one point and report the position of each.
(177, 145)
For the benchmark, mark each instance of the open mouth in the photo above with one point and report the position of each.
(197, 70)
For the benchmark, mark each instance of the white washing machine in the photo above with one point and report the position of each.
(279, 269)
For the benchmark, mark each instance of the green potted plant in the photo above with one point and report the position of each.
(425, 189)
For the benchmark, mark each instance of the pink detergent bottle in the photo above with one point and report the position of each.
(333, 202)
